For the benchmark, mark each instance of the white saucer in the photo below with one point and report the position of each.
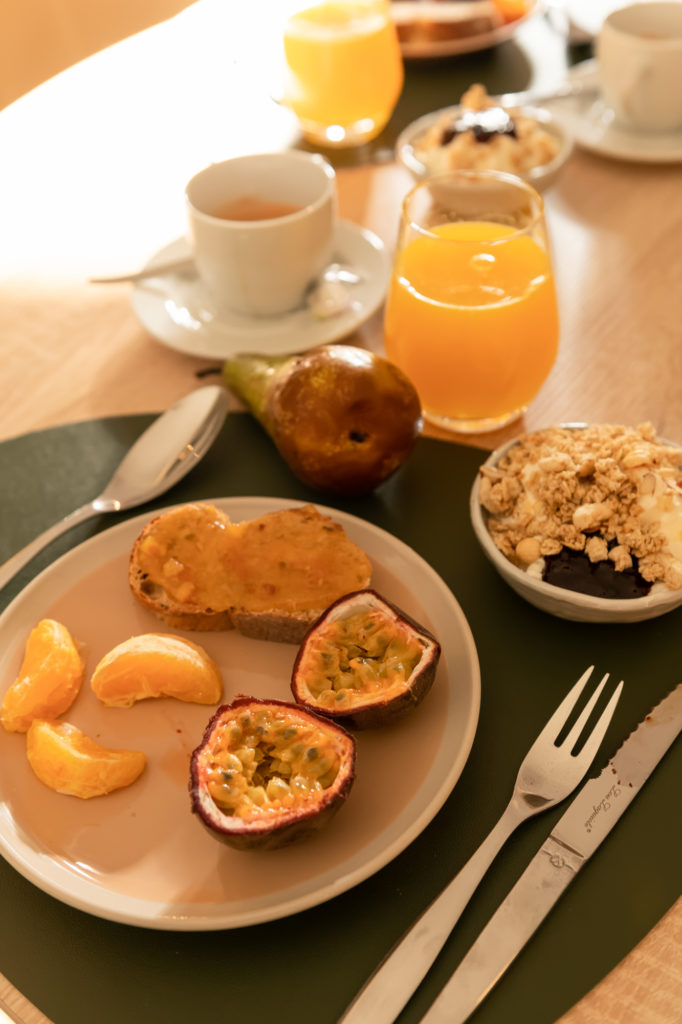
(591, 123)
(177, 310)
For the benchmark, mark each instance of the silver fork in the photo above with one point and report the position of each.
(549, 772)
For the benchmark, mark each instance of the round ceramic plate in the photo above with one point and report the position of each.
(425, 47)
(177, 309)
(138, 855)
(591, 123)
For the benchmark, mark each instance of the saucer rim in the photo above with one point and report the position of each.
(303, 331)
(618, 148)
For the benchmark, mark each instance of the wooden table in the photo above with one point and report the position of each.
(92, 172)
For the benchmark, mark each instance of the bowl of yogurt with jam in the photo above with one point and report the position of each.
(585, 520)
(478, 135)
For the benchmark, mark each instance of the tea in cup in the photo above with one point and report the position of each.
(261, 229)
(639, 50)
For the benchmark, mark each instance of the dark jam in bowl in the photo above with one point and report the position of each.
(572, 570)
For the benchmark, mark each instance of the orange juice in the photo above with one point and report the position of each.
(344, 71)
(471, 318)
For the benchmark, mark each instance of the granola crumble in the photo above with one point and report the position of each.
(527, 146)
(611, 491)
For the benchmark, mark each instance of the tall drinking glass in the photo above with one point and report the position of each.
(343, 70)
(471, 314)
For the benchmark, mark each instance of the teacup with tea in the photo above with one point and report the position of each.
(261, 228)
(639, 49)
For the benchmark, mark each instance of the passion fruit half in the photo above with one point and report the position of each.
(268, 772)
(364, 663)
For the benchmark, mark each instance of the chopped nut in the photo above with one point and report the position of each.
(528, 550)
(555, 463)
(636, 457)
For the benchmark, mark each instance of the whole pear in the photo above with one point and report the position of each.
(343, 418)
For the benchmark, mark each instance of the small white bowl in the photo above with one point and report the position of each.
(539, 177)
(566, 604)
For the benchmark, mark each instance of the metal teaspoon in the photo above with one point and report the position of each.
(167, 450)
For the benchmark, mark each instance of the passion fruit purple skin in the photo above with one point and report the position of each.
(376, 710)
(289, 825)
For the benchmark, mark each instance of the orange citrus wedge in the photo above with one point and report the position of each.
(156, 665)
(68, 761)
(49, 678)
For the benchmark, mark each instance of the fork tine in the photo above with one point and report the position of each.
(558, 719)
(591, 746)
(579, 725)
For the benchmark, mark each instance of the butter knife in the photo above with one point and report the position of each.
(588, 820)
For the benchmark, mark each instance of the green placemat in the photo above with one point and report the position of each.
(305, 969)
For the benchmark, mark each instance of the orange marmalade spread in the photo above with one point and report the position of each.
(290, 560)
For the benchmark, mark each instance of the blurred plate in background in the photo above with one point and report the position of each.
(445, 28)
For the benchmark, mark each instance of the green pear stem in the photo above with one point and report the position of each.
(251, 377)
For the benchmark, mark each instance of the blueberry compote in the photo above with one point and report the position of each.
(484, 124)
(572, 570)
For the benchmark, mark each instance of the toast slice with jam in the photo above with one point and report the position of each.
(269, 578)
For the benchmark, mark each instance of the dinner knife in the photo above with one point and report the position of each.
(588, 820)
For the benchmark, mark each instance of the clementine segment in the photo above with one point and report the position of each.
(49, 679)
(68, 761)
(157, 665)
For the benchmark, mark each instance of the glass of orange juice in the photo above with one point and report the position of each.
(471, 313)
(343, 69)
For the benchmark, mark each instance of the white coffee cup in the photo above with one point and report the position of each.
(639, 50)
(262, 266)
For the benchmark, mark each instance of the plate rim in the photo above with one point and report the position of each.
(63, 883)
(148, 301)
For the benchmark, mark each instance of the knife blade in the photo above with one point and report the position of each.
(578, 833)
